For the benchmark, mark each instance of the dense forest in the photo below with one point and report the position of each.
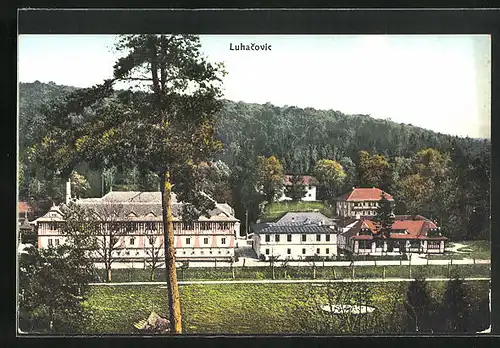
(443, 177)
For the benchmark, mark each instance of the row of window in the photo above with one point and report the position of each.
(289, 251)
(153, 226)
(205, 241)
(201, 252)
(367, 244)
(184, 252)
(53, 242)
(289, 238)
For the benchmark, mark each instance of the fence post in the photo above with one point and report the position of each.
(334, 274)
(449, 273)
(383, 274)
(352, 271)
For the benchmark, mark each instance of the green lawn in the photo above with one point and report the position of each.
(306, 272)
(275, 210)
(479, 249)
(236, 308)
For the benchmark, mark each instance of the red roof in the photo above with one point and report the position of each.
(306, 180)
(24, 207)
(417, 228)
(364, 194)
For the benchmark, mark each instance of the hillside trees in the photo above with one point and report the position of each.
(271, 177)
(299, 135)
(373, 170)
(168, 131)
(296, 190)
(331, 177)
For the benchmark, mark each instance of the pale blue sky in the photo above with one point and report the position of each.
(436, 82)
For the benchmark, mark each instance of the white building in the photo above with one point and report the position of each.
(136, 218)
(294, 241)
(310, 184)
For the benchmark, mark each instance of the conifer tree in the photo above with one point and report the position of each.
(163, 122)
(296, 190)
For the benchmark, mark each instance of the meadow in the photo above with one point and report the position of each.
(245, 308)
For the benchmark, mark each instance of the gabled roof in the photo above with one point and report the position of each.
(304, 217)
(136, 206)
(291, 228)
(306, 180)
(405, 226)
(364, 194)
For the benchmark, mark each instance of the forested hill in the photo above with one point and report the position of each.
(450, 182)
(298, 137)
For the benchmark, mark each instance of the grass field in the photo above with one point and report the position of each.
(479, 249)
(275, 210)
(236, 308)
(305, 272)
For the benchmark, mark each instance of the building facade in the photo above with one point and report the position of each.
(359, 202)
(310, 184)
(410, 234)
(294, 241)
(134, 219)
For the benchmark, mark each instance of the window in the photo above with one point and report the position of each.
(267, 251)
(303, 251)
(317, 251)
(327, 251)
(205, 240)
(289, 238)
(268, 238)
(327, 237)
(201, 252)
(303, 237)
(220, 252)
(188, 240)
(136, 253)
(151, 240)
(433, 244)
(223, 240)
(318, 238)
(309, 195)
(184, 252)
(415, 244)
(127, 253)
(50, 242)
(57, 241)
(289, 251)
(365, 244)
(277, 238)
(132, 241)
(379, 243)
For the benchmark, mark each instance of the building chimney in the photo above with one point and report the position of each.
(68, 191)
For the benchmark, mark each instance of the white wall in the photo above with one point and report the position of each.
(310, 195)
(296, 245)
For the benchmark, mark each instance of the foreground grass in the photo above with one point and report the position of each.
(233, 308)
(275, 210)
(479, 249)
(306, 272)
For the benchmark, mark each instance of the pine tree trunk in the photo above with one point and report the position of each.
(174, 305)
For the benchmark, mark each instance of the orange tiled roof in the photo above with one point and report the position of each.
(364, 194)
(417, 228)
(307, 180)
(24, 207)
